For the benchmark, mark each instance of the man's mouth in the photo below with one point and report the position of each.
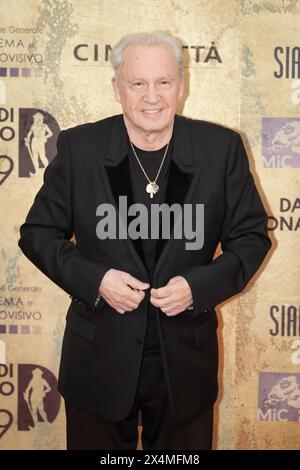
(153, 111)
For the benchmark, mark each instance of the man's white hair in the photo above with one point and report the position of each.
(155, 38)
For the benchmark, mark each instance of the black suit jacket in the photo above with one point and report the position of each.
(102, 349)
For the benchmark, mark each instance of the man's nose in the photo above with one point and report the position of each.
(151, 95)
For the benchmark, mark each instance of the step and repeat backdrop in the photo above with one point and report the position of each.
(242, 70)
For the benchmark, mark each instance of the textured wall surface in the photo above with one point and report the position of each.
(242, 67)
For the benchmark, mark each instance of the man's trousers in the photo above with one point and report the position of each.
(87, 431)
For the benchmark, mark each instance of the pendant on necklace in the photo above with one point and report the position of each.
(152, 188)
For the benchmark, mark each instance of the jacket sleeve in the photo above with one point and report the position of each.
(244, 239)
(45, 235)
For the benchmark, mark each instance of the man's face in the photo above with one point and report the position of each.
(148, 88)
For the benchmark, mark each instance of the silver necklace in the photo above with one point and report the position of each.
(152, 187)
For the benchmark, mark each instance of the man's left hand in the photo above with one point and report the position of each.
(174, 297)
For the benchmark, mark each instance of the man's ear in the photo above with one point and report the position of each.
(115, 85)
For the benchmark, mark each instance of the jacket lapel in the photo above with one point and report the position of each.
(177, 189)
(183, 176)
(120, 183)
(183, 181)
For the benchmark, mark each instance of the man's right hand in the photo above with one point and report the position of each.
(122, 291)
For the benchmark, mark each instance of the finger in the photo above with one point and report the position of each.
(130, 295)
(161, 292)
(162, 303)
(129, 298)
(131, 305)
(140, 292)
(119, 310)
(118, 307)
(141, 295)
(171, 310)
(154, 301)
(172, 280)
(136, 283)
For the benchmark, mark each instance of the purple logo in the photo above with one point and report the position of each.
(281, 142)
(279, 396)
(38, 398)
(38, 132)
(35, 389)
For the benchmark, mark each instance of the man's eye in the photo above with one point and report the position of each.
(138, 84)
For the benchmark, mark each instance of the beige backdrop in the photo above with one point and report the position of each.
(242, 64)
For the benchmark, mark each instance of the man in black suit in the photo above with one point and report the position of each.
(141, 327)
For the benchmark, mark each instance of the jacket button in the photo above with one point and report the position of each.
(139, 340)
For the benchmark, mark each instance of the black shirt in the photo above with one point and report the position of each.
(150, 160)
